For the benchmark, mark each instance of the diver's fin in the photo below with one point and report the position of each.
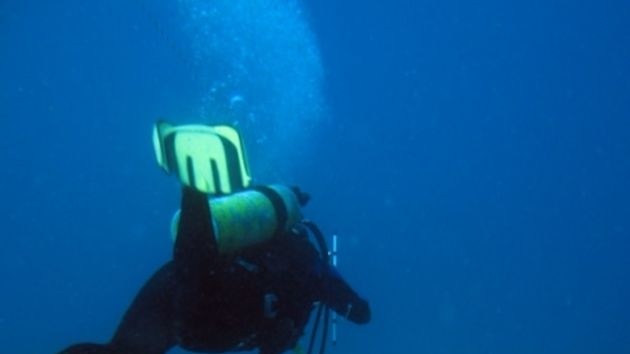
(195, 246)
(209, 159)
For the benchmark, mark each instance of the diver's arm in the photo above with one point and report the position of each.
(323, 280)
(338, 295)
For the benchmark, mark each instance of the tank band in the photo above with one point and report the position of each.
(278, 204)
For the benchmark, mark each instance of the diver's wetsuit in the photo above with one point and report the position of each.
(206, 302)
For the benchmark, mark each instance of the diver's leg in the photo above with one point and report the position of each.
(195, 247)
(88, 348)
(147, 327)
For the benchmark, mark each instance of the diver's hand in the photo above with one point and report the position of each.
(359, 312)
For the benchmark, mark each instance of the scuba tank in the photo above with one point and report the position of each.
(251, 216)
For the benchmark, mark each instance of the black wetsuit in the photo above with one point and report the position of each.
(260, 297)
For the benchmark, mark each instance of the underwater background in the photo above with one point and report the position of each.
(473, 158)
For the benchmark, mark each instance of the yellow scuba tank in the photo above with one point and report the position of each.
(250, 216)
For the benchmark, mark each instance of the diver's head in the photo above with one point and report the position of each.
(302, 197)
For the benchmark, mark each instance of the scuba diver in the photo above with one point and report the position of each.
(244, 274)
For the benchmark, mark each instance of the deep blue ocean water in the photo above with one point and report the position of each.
(472, 156)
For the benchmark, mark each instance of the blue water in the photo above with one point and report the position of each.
(472, 156)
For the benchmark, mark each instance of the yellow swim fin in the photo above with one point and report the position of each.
(210, 159)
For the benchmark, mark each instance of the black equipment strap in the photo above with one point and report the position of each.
(322, 308)
(278, 205)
